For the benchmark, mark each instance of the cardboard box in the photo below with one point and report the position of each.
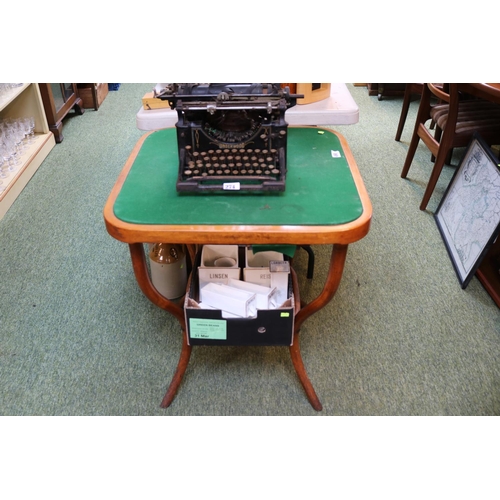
(209, 326)
(149, 101)
(257, 266)
(217, 266)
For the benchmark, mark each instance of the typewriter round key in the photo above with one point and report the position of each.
(275, 171)
(269, 159)
(265, 151)
(267, 172)
(251, 171)
(263, 137)
(211, 171)
(256, 151)
(218, 172)
(188, 172)
(218, 151)
(258, 172)
(245, 158)
(274, 151)
(196, 172)
(210, 151)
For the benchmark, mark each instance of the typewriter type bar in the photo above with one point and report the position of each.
(231, 137)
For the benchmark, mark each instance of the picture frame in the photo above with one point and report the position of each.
(468, 216)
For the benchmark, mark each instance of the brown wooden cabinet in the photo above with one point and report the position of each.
(488, 272)
(58, 100)
(92, 94)
(386, 89)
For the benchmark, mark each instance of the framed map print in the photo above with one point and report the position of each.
(468, 216)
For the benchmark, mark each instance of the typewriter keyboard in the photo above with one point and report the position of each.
(231, 162)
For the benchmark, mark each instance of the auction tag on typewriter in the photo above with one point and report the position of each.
(231, 186)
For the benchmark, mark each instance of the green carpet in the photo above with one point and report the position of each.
(77, 337)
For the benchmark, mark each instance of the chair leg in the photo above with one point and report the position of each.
(404, 112)
(410, 154)
(310, 262)
(436, 172)
(437, 135)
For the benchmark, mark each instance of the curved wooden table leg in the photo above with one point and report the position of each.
(179, 373)
(147, 287)
(142, 276)
(301, 373)
(337, 261)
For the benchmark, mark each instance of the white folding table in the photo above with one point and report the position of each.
(338, 109)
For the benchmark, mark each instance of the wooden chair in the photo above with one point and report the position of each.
(411, 90)
(457, 118)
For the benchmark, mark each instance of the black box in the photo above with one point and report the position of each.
(271, 327)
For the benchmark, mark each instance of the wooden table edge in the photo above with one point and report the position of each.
(240, 234)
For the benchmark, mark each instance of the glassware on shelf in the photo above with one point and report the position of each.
(15, 135)
(6, 90)
(26, 127)
(31, 133)
(4, 162)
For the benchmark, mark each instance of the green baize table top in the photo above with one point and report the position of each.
(320, 189)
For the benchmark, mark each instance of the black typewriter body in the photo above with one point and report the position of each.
(230, 137)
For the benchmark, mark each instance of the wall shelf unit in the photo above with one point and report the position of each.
(25, 101)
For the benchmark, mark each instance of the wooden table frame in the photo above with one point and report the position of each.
(339, 236)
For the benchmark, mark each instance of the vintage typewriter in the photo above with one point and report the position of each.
(230, 136)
